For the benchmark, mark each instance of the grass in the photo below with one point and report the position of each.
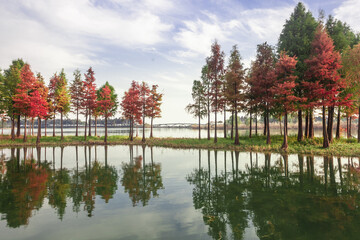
(339, 147)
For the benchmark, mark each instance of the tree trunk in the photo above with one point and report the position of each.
(256, 125)
(280, 126)
(237, 142)
(25, 130)
(77, 121)
(350, 127)
(13, 128)
(199, 126)
(208, 111)
(54, 125)
(250, 125)
(39, 131)
(131, 129)
(347, 127)
(224, 123)
(359, 126)
(307, 124)
(2, 127)
(32, 126)
(232, 124)
(265, 125)
(18, 126)
(330, 123)
(338, 124)
(325, 136)
(106, 119)
(151, 128)
(285, 143)
(143, 129)
(45, 127)
(86, 118)
(300, 130)
(89, 124)
(95, 126)
(311, 124)
(61, 123)
(215, 135)
(268, 140)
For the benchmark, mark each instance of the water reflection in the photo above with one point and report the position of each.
(277, 200)
(141, 180)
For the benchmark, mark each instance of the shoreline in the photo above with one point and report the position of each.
(340, 148)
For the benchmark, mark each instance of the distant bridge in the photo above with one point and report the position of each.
(173, 125)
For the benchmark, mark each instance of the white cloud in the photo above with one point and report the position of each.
(55, 34)
(347, 12)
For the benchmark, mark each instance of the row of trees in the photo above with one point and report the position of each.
(23, 94)
(141, 101)
(316, 66)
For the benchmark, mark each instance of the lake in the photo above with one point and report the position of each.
(164, 132)
(131, 192)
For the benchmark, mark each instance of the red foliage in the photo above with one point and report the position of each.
(106, 103)
(89, 91)
(323, 80)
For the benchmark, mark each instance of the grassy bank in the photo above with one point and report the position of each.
(341, 147)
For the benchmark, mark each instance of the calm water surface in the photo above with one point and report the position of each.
(124, 192)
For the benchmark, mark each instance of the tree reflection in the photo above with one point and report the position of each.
(283, 199)
(141, 180)
(22, 188)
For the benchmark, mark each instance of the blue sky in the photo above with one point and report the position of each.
(158, 41)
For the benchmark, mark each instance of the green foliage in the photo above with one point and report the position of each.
(198, 108)
(62, 95)
(113, 96)
(296, 37)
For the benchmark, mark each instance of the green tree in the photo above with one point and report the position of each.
(62, 98)
(8, 90)
(295, 39)
(198, 108)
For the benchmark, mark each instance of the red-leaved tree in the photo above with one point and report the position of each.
(154, 106)
(131, 107)
(283, 89)
(89, 91)
(324, 80)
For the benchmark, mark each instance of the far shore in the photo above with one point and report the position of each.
(340, 147)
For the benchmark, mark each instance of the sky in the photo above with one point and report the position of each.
(160, 42)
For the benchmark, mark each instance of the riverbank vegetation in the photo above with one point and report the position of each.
(339, 147)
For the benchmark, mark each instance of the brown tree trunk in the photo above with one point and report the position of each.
(268, 140)
(32, 127)
(151, 128)
(106, 120)
(285, 143)
(208, 111)
(280, 126)
(359, 126)
(131, 129)
(330, 123)
(54, 125)
(350, 134)
(237, 142)
(199, 126)
(25, 138)
(265, 125)
(89, 124)
(347, 127)
(307, 124)
(338, 124)
(18, 126)
(300, 127)
(45, 127)
(224, 123)
(143, 129)
(61, 123)
(39, 131)
(232, 124)
(95, 126)
(250, 128)
(256, 125)
(77, 122)
(13, 128)
(86, 118)
(325, 136)
(311, 124)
